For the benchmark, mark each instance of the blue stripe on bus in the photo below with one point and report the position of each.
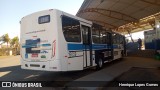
(28, 46)
(35, 45)
(74, 46)
(115, 46)
(45, 45)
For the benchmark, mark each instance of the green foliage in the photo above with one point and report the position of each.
(14, 45)
(14, 42)
(4, 51)
(5, 39)
(1, 40)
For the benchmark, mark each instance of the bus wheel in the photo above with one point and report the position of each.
(99, 64)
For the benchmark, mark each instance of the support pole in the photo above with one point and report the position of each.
(129, 32)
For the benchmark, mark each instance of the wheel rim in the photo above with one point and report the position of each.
(100, 62)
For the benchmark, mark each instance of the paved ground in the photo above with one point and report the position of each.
(9, 61)
(111, 72)
(2, 57)
(10, 71)
(141, 78)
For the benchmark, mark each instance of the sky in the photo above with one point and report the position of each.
(136, 35)
(11, 11)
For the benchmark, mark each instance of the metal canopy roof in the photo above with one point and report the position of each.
(115, 13)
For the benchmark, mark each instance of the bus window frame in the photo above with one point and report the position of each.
(39, 19)
(80, 37)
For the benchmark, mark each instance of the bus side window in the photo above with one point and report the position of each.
(114, 38)
(121, 40)
(95, 33)
(95, 36)
(71, 29)
(117, 39)
(103, 36)
(99, 35)
(86, 34)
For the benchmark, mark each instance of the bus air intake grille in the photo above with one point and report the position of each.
(34, 65)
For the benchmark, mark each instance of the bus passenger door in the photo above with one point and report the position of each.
(86, 35)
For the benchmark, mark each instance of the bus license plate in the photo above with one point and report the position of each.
(34, 55)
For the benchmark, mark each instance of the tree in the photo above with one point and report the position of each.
(1, 40)
(14, 42)
(6, 39)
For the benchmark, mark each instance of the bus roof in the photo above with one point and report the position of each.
(63, 13)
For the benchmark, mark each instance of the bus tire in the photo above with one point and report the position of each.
(99, 64)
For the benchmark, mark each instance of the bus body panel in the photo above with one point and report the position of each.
(44, 46)
(42, 41)
(73, 56)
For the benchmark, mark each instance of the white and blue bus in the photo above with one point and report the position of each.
(52, 40)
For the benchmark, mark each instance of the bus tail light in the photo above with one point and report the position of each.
(53, 48)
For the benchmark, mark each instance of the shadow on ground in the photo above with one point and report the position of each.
(18, 74)
(140, 77)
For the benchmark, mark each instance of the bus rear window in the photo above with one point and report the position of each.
(44, 19)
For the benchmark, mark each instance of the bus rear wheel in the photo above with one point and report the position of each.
(99, 64)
